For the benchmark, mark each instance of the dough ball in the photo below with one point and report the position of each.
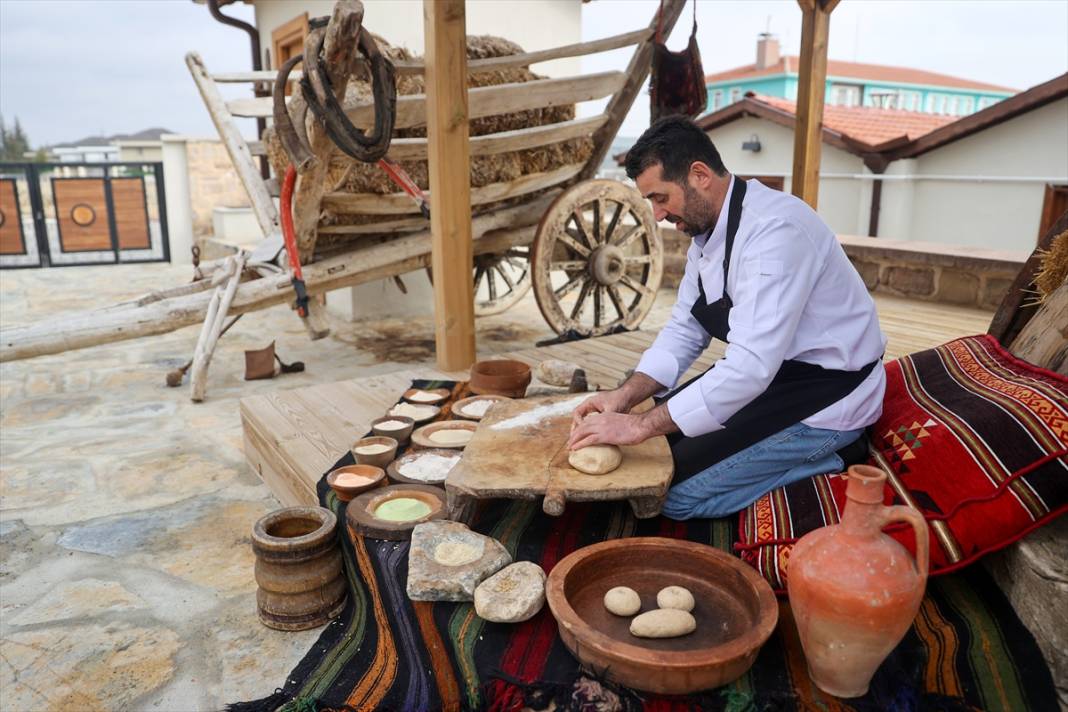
(596, 459)
(663, 623)
(622, 601)
(675, 597)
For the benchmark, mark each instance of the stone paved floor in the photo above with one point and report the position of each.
(125, 509)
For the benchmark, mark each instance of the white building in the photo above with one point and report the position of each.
(996, 179)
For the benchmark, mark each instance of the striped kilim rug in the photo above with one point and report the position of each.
(967, 650)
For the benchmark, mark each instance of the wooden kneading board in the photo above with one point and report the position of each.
(515, 454)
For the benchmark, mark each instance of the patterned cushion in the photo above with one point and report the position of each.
(974, 438)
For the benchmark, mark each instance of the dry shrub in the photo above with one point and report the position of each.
(1054, 268)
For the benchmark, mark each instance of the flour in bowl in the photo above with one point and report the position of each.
(451, 436)
(424, 397)
(415, 412)
(477, 409)
(430, 467)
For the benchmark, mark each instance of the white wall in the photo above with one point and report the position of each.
(995, 214)
(533, 24)
(838, 199)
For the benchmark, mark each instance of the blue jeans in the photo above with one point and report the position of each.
(736, 482)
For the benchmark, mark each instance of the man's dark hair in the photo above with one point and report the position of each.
(674, 142)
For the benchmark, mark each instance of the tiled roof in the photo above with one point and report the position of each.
(867, 124)
(856, 70)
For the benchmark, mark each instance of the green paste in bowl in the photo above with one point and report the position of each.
(402, 509)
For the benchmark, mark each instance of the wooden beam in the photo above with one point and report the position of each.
(489, 64)
(811, 88)
(636, 73)
(444, 29)
(483, 101)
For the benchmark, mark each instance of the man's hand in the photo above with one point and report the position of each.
(614, 401)
(621, 428)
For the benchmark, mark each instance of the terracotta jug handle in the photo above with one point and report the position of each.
(901, 513)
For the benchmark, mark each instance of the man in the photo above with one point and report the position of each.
(802, 375)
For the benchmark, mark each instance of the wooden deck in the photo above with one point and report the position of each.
(292, 437)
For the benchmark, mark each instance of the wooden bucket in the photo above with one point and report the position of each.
(298, 568)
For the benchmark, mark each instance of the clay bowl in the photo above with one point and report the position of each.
(500, 377)
(401, 435)
(422, 436)
(458, 406)
(380, 459)
(440, 395)
(360, 512)
(432, 411)
(394, 469)
(736, 612)
(346, 493)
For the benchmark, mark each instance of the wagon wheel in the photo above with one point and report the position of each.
(501, 279)
(597, 259)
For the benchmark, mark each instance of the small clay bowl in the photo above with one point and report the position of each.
(500, 377)
(346, 493)
(458, 406)
(422, 436)
(401, 435)
(440, 395)
(432, 411)
(394, 469)
(360, 512)
(380, 459)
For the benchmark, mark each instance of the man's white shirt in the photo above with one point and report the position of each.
(795, 296)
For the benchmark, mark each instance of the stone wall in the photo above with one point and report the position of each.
(213, 182)
(919, 270)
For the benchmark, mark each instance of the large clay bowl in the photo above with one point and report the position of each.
(500, 377)
(458, 406)
(394, 468)
(375, 475)
(735, 609)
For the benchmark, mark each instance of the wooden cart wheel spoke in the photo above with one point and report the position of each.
(606, 235)
(632, 233)
(620, 247)
(568, 265)
(571, 285)
(513, 269)
(636, 286)
(617, 300)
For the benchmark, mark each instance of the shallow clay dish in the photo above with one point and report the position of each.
(500, 377)
(440, 394)
(736, 612)
(458, 406)
(433, 411)
(378, 459)
(360, 512)
(394, 469)
(345, 494)
(401, 435)
(422, 436)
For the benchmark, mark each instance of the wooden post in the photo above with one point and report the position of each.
(811, 87)
(444, 29)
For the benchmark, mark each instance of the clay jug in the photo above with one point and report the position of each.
(855, 591)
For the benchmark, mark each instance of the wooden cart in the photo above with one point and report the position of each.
(589, 247)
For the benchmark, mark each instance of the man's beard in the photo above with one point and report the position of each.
(698, 215)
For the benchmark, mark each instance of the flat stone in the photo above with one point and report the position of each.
(77, 600)
(958, 287)
(82, 667)
(869, 272)
(556, 372)
(994, 291)
(513, 594)
(433, 542)
(911, 281)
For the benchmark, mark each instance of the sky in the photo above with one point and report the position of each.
(74, 68)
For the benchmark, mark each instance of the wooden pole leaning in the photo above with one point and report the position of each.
(450, 182)
(811, 88)
(213, 323)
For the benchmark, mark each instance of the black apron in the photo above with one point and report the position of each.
(799, 390)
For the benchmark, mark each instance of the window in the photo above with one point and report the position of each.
(967, 105)
(736, 94)
(987, 101)
(909, 100)
(845, 94)
(287, 40)
(952, 104)
(717, 99)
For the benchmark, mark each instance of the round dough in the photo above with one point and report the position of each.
(596, 459)
(451, 436)
(663, 623)
(622, 601)
(675, 597)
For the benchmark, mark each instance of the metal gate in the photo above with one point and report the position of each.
(65, 214)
